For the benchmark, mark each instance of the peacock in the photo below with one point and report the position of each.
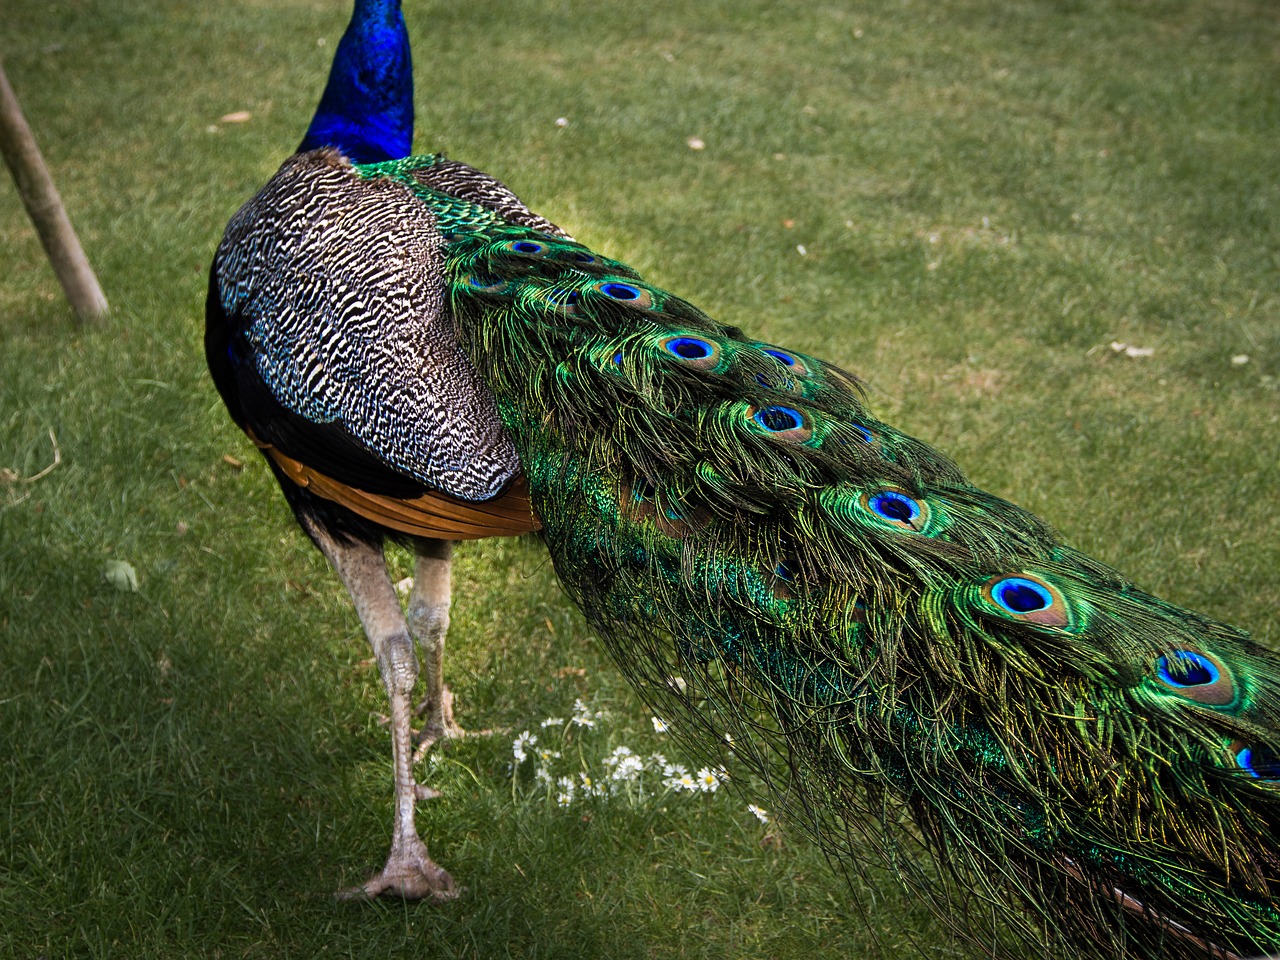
(919, 670)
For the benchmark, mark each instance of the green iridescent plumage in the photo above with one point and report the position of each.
(880, 638)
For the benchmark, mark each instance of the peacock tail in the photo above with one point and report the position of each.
(877, 636)
(907, 662)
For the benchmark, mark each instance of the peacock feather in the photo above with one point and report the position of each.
(908, 663)
(905, 659)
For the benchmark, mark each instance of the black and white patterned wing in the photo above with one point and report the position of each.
(336, 338)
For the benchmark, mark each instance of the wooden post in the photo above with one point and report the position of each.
(44, 206)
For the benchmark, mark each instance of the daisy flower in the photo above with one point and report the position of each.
(709, 780)
(520, 745)
(628, 768)
(582, 717)
(680, 780)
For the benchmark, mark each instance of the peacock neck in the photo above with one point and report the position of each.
(367, 107)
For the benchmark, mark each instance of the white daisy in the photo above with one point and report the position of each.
(709, 780)
(628, 768)
(679, 779)
(582, 717)
(521, 743)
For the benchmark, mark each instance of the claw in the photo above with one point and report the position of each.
(440, 724)
(410, 874)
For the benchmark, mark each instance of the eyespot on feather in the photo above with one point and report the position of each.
(641, 490)
(897, 508)
(1257, 760)
(1026, 599)
(780, 383)
(795, 366)
(486, 283)
(1197, 676)
(625, 293)
(786, 424)
(526, 248)
(639, 503)
(695, 352)
(783, 580)
(566, 301)
(580, 257)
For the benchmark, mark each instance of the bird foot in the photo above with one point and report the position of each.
(409, 874)
(440, 724)
(441, 712)
(432, 734)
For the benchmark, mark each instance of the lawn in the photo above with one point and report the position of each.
(1046, 233)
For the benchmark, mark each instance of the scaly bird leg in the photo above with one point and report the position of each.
(409, 871)
(428, 620)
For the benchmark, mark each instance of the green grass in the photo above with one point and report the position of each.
(988, 196)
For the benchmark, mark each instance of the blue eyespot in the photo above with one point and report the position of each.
(782, 424)
(1260, 762)
(696, 352)
(565, 298)
(784, 580)
(617, 359)
(864, 433)
(639, 298)
(895, 506)
(526, 246)
(777, 419)
(778, 381)
(1019, 595)
(487, 283)
(584, 258)
(620, 291)
(1199, 677)
(689, 348)
(1186, 668)
(795, 366)
(1028, 599)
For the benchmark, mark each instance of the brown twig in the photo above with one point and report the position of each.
(12, 476)
(45, 208)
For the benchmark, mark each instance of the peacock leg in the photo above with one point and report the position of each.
(428, 619)
(409, 872)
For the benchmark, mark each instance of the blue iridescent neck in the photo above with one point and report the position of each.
(367, 107)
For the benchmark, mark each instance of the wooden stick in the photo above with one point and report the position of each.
(44, 206)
